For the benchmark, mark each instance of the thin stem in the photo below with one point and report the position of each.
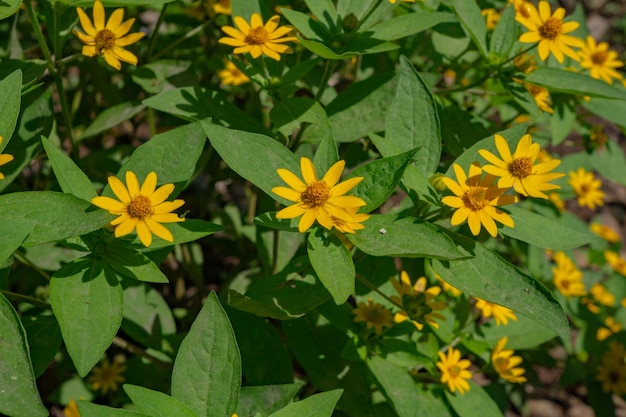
(19, 298)
(328, 70)
(275, 251)
(530, 48)
(136, 350)
(373, 287)
(180, 40)
(155, 32)
(23, 259)
(361, 21)
(151, 121)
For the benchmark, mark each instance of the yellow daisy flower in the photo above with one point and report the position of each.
(374, 315)
(500, 313)
(541, 96)
(600, 61)
(257, 38)
(505, 363)
(550, 31)
(476, 199)
(612, 327)
(612, 370)
(143, 208)
(72, 409)
(107, 376)
(587, 188)
(454, 370)
(492, 17)
(315, 199)
(605, 232)
(418, 302)
(231, 75)
(566, 277)
(617, 262)
(107, 40)
(5, 158)
(600, 294)
(519, 170)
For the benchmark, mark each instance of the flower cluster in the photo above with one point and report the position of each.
(566, 277)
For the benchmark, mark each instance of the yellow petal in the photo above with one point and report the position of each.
(89, 50)
(110, 204)
(112, 60)
(98, 16)
(115, 20)
(241, 23)
(345, 186)
(132, 183)
(149, 184)
(159, 230)
(119, 189)
(291, 179)
(256, 20)
(85, 22)
(124, 28)
(161, 194)
(167, 218)
(145, 236)
(306, 221)
(125, 227)
(291, 212)
(334, 173)
(167, 206)
(288, 193)
(129, 40)
(272, 24)
(308, 170)
(267, 51)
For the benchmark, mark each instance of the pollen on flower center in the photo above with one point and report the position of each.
(474, 198)
(105, 39)
(600, 57)
(454, 370)
(550, 29)
(140, 207)
(257, 36)
(521, 167)
(316, 194)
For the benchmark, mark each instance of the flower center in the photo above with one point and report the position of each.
(105, 39)
(454, 371)
(140, 207)
(521, 167)
(475, 198)
(417, 308)
(600, 57)
(550, 29)
(257, 36)
(316, 194)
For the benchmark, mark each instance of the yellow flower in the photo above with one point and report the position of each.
(257, 38)
(612, 370)
(143, 208)
(556, 200)
(587, 188)
(600, 61)
(455, 292)
(601, 295)
(566, 277)
(320, 200)
(107, 40)
(107, 376)
(408, 1)
(617, 262)
(71, 410)
(221, 6)
(418, 302)
(605, 232)
(541, 96)
(231, 75)
(374, 315)
(492, 16)
(505, 363)
(5, 158)
(519, 170)
(525, 63)
(550, 31)
(521, 8)
(500, 313)
(454, 370)
(476, 199)
(612, 327)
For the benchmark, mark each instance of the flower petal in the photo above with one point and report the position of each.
(308, 170)
(119, 189)
(334, 173)
(145, 236)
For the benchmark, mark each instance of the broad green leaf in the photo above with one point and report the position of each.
(399, 389)
(357, 46)
(19, 396)
(94, 410)
(412, 119)
(324, 11)
(71, 178)
(503, 36)
(245, 8)
(610, 162)
(543, 232)
(409, 24)
(562, 122)
(55, 216)
(32, 69)
(391, 235)
(460, 129)
(268, 398)
(164, 74)
(486, 275)
(157, 404)
(473, 22)
(560, 80)
(523, 333)
(327, 153)
(269, 220)
(131, 264)
(473, 403)
(112, 117)
(10, 98)
(188, 231)
(8, 8)
(44, 340)
(318, 405)
(254, 157)
(332, 264)
(207, 371)
(79, 293)
(611, 110)
(13, 234)
(308, 27)
(521, 95)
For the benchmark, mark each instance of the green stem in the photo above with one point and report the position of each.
(373, 287)
(465, 87)
(530, 48)
(151, 121)
(328, 71)
(180, 40)
(19, 298)
(23, 259)
(155, 32)
(136, 350)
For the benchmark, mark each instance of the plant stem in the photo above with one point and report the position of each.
(180, 40)
(23, 259)
(13, 296)
(530, 48)
(373, 287)
(136, 350)
(155, 32)
(328, 71)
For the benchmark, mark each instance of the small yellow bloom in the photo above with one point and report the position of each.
(455, 292)
(231, 75)
(374, 315)
(492, 17)
(587, 188)
(72, 409)
(107, 376)
(320, 200)
(5, 158)
(600, 294)
(612, 370)
(418, 302)
(566, 277)
(617, 262)
(408, 1)
(612, 327)
(525, 62)
(600, 61)
(500, 313)
(505, 363)
(221, 6)
(107, 40)
(476, 199)
(605, 232)
(550, 31)
(597, 136)
(257, 38)
(143, 208)
(541, 96)
(454, 370)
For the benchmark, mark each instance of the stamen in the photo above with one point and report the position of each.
(257, 36)
(600, 57)
(105, 39)
(475, 198)
(140, 207)
(521, 167)
(550, 29)
(316, 194)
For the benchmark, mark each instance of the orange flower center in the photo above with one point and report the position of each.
(454, 370)
(475, 198)
(140, 207)
(257, 36)
(105, 39)
(600, 57)
(521, 167)
(316, 194)
(550, 29)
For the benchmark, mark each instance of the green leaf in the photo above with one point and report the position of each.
(13, 234)
(308, 27)
(188, 231)
(611, 110)
(8, 8)
(327, 153)
(318, 405)
(610, 162)
(332, 264)
(486, 275)
(44, 340)
(112, 117)
(357, 46)
(521, 95)
(131, 264)
(10, 98)
(269, 220)
(94, 410)
(164, 74)
(325, 12)
(503, 37)
(19, 396)
(268, 398)
(543, 232)
(71, 178)
(473, 22)
(79, 293)
(412, 119)
(562, 122)
(391, 235)
(473, 403)
(245, 8)
(55, 216)
(564, 81)
(409, 24)
(207, 370)
(524, 333)
(254, 157)
(157, 404)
